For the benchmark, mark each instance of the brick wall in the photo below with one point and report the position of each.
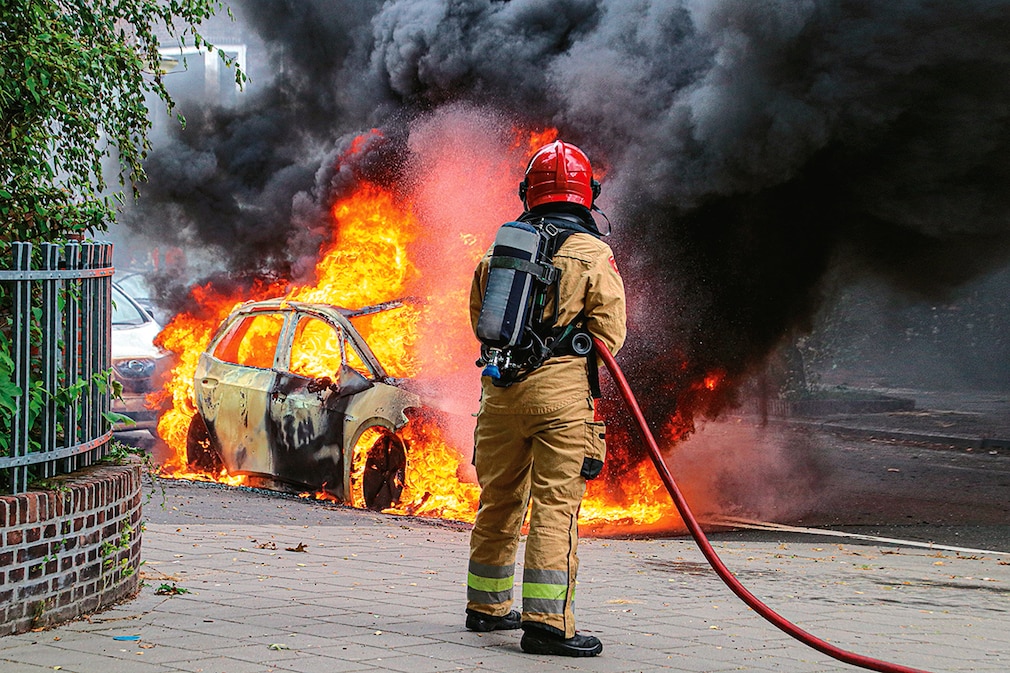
(70, 551)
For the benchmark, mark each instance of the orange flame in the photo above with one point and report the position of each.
(368, 263)
(541, 138)
(379, 252)
(433, 487)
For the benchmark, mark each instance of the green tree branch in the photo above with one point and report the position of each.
(74, 76)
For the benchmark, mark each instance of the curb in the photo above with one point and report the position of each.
(992, 444)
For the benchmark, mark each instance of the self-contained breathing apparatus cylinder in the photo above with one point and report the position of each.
(508, 296)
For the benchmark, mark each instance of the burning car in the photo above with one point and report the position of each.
(290, 392)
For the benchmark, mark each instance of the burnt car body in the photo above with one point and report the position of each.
(283, 393)
(137, 364)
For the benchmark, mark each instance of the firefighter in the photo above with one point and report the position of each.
(539, 439)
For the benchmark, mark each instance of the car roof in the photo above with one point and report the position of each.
(336, 314)
(279, 304)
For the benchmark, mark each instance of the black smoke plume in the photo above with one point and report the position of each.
(753, 150)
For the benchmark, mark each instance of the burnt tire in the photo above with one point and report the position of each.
(201, 451)
(384, 473)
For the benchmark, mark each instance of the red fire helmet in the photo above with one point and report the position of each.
(559, 172)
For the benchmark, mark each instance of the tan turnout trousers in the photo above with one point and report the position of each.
(530, 444)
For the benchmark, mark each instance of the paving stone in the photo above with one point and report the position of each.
(379, 594)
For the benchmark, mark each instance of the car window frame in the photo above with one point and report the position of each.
(284, 364)
(292, 310)
(120, 297)
(130, 281)
(347, 335)
(237, 319)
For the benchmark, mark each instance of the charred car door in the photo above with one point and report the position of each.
(309, 402)
(234, 384)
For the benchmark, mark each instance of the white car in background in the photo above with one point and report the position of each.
(137, 364)
(136, 285)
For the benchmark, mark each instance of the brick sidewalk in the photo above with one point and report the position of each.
(301, 588)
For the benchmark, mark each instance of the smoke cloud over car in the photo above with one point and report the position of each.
(754, 153)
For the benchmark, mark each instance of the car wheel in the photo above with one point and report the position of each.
(382, 478)
(201, 452)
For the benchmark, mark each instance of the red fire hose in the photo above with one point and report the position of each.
(706, 548)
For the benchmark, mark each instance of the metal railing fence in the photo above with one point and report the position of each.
(59, 328)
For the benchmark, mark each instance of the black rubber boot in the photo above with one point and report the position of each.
(478, 621)
(539, 641)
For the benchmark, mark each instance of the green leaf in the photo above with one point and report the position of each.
(112, 417)
(30, 84)
(8, 395)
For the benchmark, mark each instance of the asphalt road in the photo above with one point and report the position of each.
(948, 496)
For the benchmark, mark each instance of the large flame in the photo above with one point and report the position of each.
(380, 253)
(367, 263)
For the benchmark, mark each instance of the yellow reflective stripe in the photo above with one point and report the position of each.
(489, 584)
(554, 592)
